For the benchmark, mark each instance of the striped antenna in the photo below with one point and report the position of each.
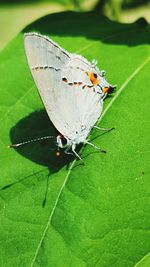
(31, 141)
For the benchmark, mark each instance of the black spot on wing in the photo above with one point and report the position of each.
(44, 67)
(64, 79)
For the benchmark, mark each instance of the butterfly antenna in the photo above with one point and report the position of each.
(76, 154)
(31, 141)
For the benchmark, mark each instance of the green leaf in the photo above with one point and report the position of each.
(91, 215)
(144, 262)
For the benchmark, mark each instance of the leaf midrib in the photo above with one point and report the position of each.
(127, 81)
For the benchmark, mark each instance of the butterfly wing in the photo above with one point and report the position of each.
(83, 105)
(46, 60)
(64, 86)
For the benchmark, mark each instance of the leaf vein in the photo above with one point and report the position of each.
(51, 214)
(18, 101)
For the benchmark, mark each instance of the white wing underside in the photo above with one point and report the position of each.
(70, 107)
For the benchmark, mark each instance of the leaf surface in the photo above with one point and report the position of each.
(93, 215)
(144, 262)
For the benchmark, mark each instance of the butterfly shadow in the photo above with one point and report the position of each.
(43, 152)
(36, 125)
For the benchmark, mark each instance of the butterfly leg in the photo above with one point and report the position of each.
(73, 150)
(98, 148)
(66, 151)
(104, 129)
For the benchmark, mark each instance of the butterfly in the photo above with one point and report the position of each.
(72, 89)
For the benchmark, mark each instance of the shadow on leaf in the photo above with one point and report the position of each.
(43, 152)
(92, 25)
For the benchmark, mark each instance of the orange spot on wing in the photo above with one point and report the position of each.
(93, 78)
(105, 90)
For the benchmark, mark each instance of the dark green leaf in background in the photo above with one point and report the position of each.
(97, 214)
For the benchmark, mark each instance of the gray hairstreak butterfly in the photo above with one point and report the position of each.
(72, 90)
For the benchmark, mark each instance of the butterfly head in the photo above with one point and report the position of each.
(98, 78)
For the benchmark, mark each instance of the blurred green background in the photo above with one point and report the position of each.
(16, 14)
